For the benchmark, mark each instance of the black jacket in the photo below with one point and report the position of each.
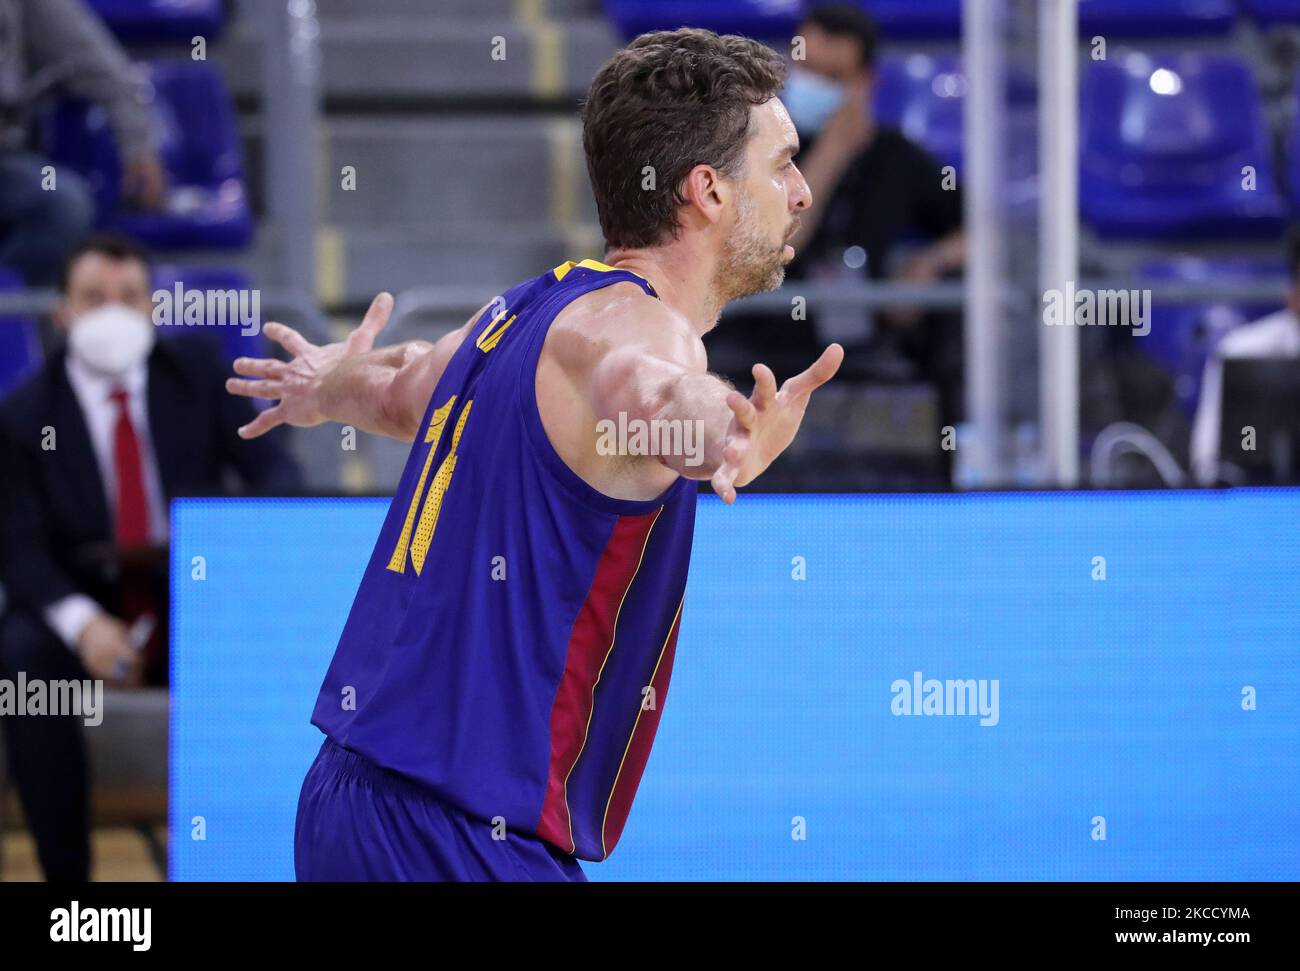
(56, 531)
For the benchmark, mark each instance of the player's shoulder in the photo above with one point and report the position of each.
(624, 300)
(623, 314)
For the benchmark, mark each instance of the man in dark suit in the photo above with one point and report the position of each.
(95, 444)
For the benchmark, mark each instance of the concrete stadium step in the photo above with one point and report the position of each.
(475, 259)
(468, 263)
(438, 61)
(508, 171)
(378, 258)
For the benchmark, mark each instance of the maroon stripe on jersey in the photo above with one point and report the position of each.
(638, 745)
(590, 642)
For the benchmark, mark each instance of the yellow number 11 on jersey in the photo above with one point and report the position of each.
(419, 546)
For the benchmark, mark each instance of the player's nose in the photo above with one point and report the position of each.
(801, 195)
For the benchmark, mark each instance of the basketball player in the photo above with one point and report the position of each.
(499, 681)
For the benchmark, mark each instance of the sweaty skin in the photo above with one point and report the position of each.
(574, 393)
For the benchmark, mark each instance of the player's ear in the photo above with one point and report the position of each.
(707, 192)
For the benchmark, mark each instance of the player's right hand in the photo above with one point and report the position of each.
(295, 383)
(106, 651)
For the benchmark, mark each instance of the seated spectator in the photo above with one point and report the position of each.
(43, 44)
(870, 184)
(1277, 335)
(872, 190)
(96, 443)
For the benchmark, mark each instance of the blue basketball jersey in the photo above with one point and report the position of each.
(512, 639)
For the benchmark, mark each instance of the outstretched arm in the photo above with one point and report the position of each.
(380, 391)
(662, 376)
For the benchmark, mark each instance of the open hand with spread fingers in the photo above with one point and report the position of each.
(295, 384)
(764, 424)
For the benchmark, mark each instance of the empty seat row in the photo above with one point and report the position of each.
(1171, 146)
(161, 21)
(941, 19)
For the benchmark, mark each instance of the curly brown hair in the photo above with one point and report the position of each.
(670, 100)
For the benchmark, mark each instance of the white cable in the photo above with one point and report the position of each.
(1132, 438)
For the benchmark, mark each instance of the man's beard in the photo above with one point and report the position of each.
(749, 264)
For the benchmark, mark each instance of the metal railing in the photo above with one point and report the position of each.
(460, 301)
(414, 308)
(293, 307)
(426, 312)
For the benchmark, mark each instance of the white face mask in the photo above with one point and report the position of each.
(111, 339)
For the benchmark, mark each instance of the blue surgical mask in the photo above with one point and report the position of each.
(811, 99)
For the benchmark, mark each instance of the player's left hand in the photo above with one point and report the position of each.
(296, 383)
(764, 424)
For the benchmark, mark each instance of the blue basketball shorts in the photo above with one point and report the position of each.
(360, 821)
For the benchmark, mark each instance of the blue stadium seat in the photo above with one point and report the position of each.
(233, 342)
(1183, 334)
(207, 205)
(1155, 18)
(923, 94)
(916, 19)
(1293, 156)
(1269, 12)
(777, 19)
(1163, 142)
(20, 342)
(161, 20)
(756, 18)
